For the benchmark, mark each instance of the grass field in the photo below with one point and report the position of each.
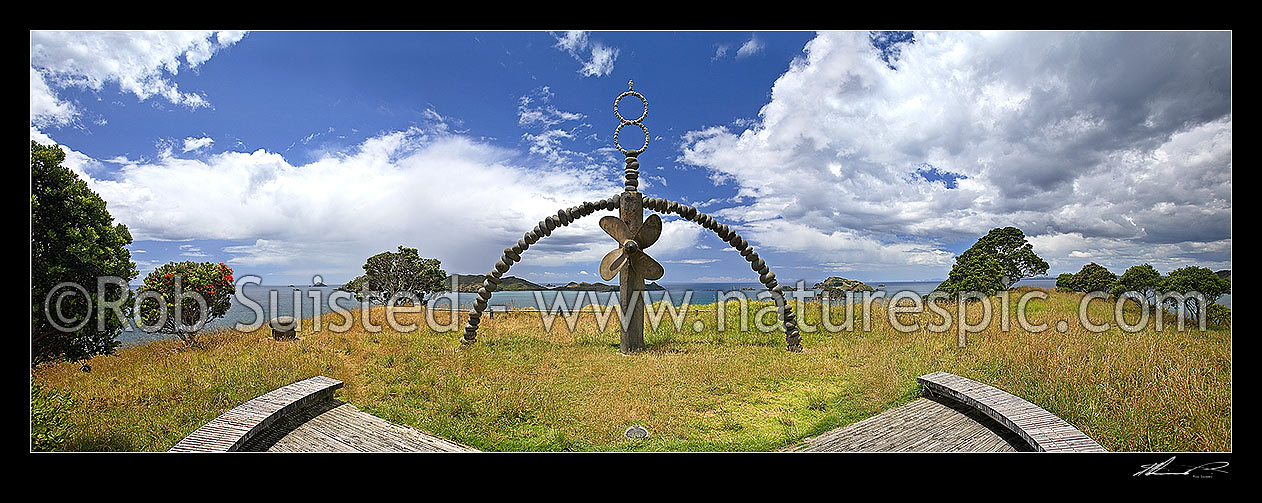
(523, 388)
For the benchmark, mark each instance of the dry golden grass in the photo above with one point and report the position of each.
(521, 388)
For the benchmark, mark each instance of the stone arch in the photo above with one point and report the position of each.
(513, 254)
(793, 337)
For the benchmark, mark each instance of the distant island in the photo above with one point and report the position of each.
(836, 285)
(472, 282)
(599, 287)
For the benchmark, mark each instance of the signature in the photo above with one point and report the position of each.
(1200, 471)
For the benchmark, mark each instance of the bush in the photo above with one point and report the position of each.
(48, 418)
(1067, 282)
(1092, 278)
(73, 240)
(178, 280)
(1218, 316)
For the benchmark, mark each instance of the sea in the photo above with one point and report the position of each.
(306, 301)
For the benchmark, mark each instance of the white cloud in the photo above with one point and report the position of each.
(719, 52)
(548, 129)
(454, 198)
(191, 144)
(1121, 137)
(596, 61)
(46, 109)
(192, 251)
(693, 261)
(749, 48)
(141, 63)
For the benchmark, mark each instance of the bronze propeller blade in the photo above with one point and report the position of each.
(644, 237)
(612, 263)
(649, 232)
(646, 266)
(615, 228)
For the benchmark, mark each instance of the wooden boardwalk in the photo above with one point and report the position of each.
(924, 425)
(1042, 430)
(304, 417)
(232, 429)
(336, 426)
(955, 415)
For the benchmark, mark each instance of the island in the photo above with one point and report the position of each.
(600, 287)
(472, 282)
(838, 286)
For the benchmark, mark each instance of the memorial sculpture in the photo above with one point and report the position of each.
(633, 234)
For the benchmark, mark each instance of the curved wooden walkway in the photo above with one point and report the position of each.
(955, 415)
(924, 425)
(304, 417)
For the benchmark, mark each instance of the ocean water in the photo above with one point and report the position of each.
(306, 301)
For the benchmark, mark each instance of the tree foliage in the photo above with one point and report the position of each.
(177, 280)
(75, 240)
(995, 262)
(398, 275)
(1142, 279)
(1009, 246)
(977, 272)
(1193, 279)
(1094, 277)
(1067, 282)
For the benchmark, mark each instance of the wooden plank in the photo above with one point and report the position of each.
(923, 425)
(1041, 429)
(232, 429)
(335, 426)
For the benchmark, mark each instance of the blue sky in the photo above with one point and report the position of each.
(870, 155)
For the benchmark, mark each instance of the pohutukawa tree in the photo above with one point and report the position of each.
(1092, 277)
(1192, 279)
(73, 240)
(1141, 279)
(167, 302)
(398, 278)
(633, 233)
(975, 269)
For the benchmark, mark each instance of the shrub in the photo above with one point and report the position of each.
(48, 418)
(1067, 282)
(1092, 278)
(180, 280)
(1218, 315)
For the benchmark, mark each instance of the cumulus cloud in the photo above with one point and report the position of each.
(596, 58)
(46, 109)
(1121, 140)
(140, 63)
(455, 198)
